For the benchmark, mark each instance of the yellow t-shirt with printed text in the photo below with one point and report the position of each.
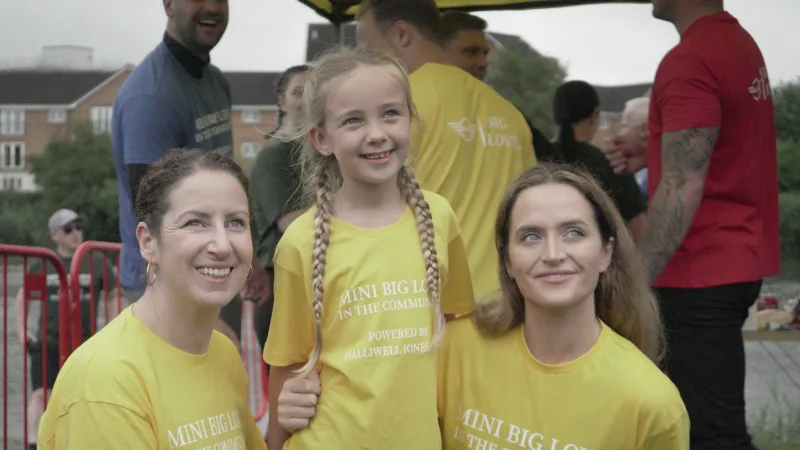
(494, 395)
(469, 146)
(127, 388)
(378, 377)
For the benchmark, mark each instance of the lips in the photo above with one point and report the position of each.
(215, 272)
(377, 155)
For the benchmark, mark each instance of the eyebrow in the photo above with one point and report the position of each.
(205, 215)
(566, 224)
(355, 111)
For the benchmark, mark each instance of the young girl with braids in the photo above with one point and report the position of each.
(363, 279)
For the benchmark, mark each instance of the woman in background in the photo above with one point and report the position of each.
(576, 110)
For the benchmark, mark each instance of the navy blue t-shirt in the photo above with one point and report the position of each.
(161, 106)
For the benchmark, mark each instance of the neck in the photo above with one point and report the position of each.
(370, 206)
(688, 17)
(426, 52)
(584, 132)
(64, 251)
(180, 324)
(202, 54)
(558, 337)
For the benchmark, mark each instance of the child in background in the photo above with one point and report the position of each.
(362, 279)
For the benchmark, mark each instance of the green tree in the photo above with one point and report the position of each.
(528, 79)
(789, 166)
(786, 99)
(76, 171)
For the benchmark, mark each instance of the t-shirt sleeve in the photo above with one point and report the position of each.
(676, 437)
(291, 331)
(628, 196)
(275, 190)
(34, 268)
(688, 95)
(150, 127)
(89, 424)
(457, 296)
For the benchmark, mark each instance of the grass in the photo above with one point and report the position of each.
(777, 427)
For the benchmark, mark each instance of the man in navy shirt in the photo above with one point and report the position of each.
(174, 98)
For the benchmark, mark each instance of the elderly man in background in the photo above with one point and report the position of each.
(633, 135)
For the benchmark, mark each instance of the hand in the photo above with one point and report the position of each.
(258, 287)
(297, 401)
(225, 329)
(626, 154)
(28, 337)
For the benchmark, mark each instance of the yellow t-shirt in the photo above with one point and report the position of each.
(470, 146)
(378, 378)
(494, 395)
(127, 388)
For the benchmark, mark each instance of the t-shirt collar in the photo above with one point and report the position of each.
(188, 60)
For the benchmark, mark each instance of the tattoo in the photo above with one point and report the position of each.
(685, 157)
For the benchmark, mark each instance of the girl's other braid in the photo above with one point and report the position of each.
(413, 195)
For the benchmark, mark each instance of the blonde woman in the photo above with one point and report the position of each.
(566, 359)
(363, 278)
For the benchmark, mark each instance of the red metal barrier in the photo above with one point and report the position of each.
(31, 283)
(75, 284)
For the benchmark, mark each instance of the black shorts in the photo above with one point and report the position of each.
(37, 365)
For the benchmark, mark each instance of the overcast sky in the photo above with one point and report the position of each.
(602, 44)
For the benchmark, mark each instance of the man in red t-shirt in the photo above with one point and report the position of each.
(713, 219)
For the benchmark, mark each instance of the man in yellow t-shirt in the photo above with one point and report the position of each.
(470, 144)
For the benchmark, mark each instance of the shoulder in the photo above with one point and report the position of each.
(275, 150)
(297, 240)
(464, 338)
(223, 353)
(146, 76)
(444, 218)
(104, 369)
(646, 385)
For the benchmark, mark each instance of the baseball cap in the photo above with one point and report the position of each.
(61, 218)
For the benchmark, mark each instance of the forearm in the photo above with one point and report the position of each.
(671, 213)
(686, 156)
(19, 309)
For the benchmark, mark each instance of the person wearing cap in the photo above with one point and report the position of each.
(66, 230)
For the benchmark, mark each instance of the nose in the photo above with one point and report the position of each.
(375, 133)
(220, 243)
(553, 251)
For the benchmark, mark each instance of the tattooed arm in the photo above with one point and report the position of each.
(685, 157)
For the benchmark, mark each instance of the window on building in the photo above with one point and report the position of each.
(251, 116)
(250, 149)
(101, 119)
(12, 122)
(12, 155)
(12, 184)
(57, 115)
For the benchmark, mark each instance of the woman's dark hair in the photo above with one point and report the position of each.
(573, 101)
(162, 176)
(280, 89)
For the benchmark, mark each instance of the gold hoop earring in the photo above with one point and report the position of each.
(147, 273)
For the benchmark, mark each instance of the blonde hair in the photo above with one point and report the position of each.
(623, 298)
(322, 178)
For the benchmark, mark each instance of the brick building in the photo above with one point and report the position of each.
(36, 103)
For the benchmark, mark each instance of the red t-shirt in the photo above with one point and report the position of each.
(716, 77)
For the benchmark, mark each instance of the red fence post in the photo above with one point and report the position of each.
(81, 252)
(28, 283)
